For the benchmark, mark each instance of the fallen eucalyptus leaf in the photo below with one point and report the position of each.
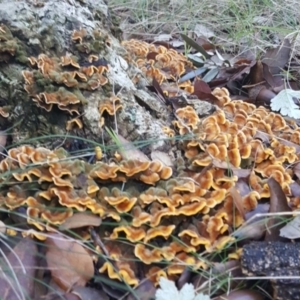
(194, 45)
(68, 261)
(192, 74)
(17, 275)
(210, 75)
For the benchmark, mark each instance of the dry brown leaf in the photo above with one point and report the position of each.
(162, 157)
(109, 288)
(203, 31)
(242, 186)
(146, 290)
(164, 37)
(56, 296)
(290, 144)
(222, 164)
(240, 173)
(241, 295)
(278, 203)
(80, 219)
(256, 73)
(238, 201)
(2, 227)
(70, 296)
(274, 81)
(263, 136)
(184, 278)
(21, 271)
(232, 267)
(203, 92)
(296, 170)
(3, 138)
(277, 58)
(69, 262)
(129, 151)
(255, 228)
(295, 189)
(87, 293)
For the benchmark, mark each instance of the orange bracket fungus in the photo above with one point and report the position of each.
(151, 214)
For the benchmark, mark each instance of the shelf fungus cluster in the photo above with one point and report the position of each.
(240, 146)
(157, 216)
(156, 219)
(159, 62)
(155, 213)
(59, 82)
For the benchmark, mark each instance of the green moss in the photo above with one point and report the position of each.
(12, 46)
(79, 95)
(97, 46)
(84, 48)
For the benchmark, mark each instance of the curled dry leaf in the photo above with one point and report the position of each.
(69, 262)
(278, 203)
(256, 73)
(79, 220)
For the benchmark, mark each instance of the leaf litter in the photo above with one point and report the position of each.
(72, 266)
